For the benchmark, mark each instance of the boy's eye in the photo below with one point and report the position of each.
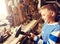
(43, 15)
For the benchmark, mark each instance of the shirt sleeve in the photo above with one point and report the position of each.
(54, 38)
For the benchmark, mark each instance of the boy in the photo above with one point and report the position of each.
(48, 13)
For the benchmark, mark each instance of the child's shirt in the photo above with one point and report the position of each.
(48, 29)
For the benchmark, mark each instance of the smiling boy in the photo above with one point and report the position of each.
(48, 13)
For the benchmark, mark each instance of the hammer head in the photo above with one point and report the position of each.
(18, 32)
(21, 32)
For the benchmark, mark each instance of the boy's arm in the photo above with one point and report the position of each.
(38, 39)
(54, 37)
(35, 37)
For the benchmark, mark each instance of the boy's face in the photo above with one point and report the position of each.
(45, 13)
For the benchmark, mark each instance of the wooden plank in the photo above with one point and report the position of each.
(28, 27)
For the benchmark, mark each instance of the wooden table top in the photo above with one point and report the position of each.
(13, 40)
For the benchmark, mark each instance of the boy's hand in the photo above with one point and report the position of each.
(32, 35)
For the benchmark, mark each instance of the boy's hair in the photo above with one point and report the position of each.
(51, 7)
